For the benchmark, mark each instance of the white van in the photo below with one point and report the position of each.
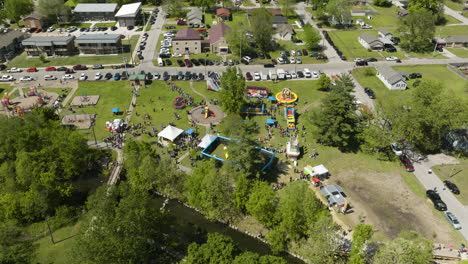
(160, 62)
(307, 73)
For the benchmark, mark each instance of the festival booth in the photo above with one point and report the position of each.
(169, 133)
(206, 140)
(293, 150)
(116, 126)
(318, 171)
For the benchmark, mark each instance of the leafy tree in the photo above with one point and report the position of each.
(242, 190)
(428, 113)
(39, 162)
(362, 233)
(237, 39)
(324, 83)
(203, 3)
(339, 12)
(376, 139)
(124, 227)
(262, 29)
(233, 90)
(287, 6)
(15, 9)
(337, 122)
(253, 258)
(417, 30)
(212, 191)
(278, 239)
(311, 37)
(15, 248)
(174, 8)
(262, 203)
(436, 7)
(54, 10)
(408, 247)
(322, 241)
(383, 3)
(218, 249)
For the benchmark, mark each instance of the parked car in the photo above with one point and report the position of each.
(453, 220)
(130, 27)
(292, 60)
(280, 60)
(300, 74)
(304, 52)
(62, 68)
(108, 76)
(407, 163)
(98, 66)
(168, 62)
(49, 77)
(116, 76)
(32, 69)
(7, 78)
(307, 73)
(369, 92)
(14, 69)
(195, 61)
(315, 74)
(80, 67)
(26, 79)
(166, 76)
(371, 60)
(452, 187)
(201, 77)
(414, 75)
(50, 69)
(293, 74)
(69, 71)
(396, 149)
(187, 75)
(68, 77)
(436, 200)
(298, 60)
(268, 65)
(248, 76)
(98, 76)
(83, 77)
(391, 58)
(181, 22)
(188, 63)
(257, 76)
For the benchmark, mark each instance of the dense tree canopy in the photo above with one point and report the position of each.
(311, 37)
(54, 10)
(408, 247)
(262, 29)
(39, 160)
(237, 39)
(361, 234)
(14, 247)
(436, 7)
(417, 30)
(262, 203)
(233, 90)
(339, 12)
(15, 9)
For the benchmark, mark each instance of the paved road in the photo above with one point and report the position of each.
(457, 15)
(429, 181)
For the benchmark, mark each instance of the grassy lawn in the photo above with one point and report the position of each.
(451, 20)
(460, 178)
(459, 52)
(427, 55)
(457, 6)
(112, 94)
(238, 17)
(110, 24)
(450, 30)
(78, 25)
(22, 61)
(387, 17)
(248, 3)
(347, 42)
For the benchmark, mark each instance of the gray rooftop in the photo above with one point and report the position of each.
(47, 41)
(457, 39)
(98, 38)
(334, 194)
(370, 39)
(95, 8)
(7, 38)
(384, 32)
(391, 75)
(279, 20)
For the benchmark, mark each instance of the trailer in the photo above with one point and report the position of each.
(273, 75)
(264, 76)
(281, 74)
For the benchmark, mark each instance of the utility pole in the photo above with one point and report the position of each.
(50, 231)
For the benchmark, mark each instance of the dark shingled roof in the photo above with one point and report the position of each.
(7, 38)
(223, 12)
(187, 34)
(217, 32)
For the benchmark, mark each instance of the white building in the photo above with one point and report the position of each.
(370, 42)
(394, 80)
(128, 15)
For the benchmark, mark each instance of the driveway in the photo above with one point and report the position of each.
(456, 14)
(150, 53)
(431, 181)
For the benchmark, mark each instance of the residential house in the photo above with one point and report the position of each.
(456, 41)
(129, 15)
(284, 32)
(394, 80)
(99, 44)
(402, 12)
(188, 41)
(10, 43)
(223, 14)
(195, 17)
(370, 42)
(384, 33)
(34, 20)
(49, 46)
(279, 20)
(218, 43)
(95, 12)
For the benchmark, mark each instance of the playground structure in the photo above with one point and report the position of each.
(6, 103)
(286, 96)
(292, 149)
(30, 100)
(257, 92)
(85, 100)
(254, 109)
(80, 121)
(116, 126)
(219, 147)
(206, 115)
(206, 111)
(179, 102)
(290, 114)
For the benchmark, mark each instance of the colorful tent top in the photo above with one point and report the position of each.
(115, 110)
(206, 140)
(270, 121)
(258, 92)
(170, 133)
(190, 131)
(317, 170)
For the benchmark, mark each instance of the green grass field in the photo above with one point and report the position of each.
(248, 3)
(450, 30)
(451, 20)
(110, 24)
(460, 178)
(459, 52)
(113, 94)
(387, 17)
(22, 61)
(78, 25)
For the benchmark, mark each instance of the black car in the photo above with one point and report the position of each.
(304, 52)
(166, 76)
(361, 63)
(181, 63)
(194, 76)
(300, 74)
(124, 75)
(435, 198)
(269, 65)
(108, 76)
(324, 57)
(287, 53)
(209, 62)
(62, 69)
(140, 57)
(201, 77)
(371, 60)
(414, 75)
(180, 76)
(130, 27)
(195, 61)
(369, 92)
(202, 61)
(164, 55)
(142, 72)
(188, 75)
(149, 76)
(452, 187)
(82, 29)
(168, 62)
(390, 49)
(98, 66)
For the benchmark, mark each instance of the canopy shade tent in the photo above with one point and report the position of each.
(115, 110)
(206, 140)
(271, 98)
(170, 133)
(190, 131)
(319, 170)
(270, 121)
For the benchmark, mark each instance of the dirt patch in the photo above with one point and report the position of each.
(385, 201)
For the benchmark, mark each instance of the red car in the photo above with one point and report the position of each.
(188, 63)
(50, 69)
(80, 67)
(248, 76)
(38, 30)
(181, 23)
(32, 69)
(407, 163)
(201, 30)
